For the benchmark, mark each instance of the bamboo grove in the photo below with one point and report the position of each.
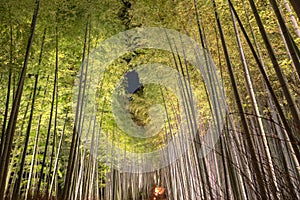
(53, 147)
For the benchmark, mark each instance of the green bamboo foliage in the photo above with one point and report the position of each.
(52, 148)
(9, 133)
(8, 87)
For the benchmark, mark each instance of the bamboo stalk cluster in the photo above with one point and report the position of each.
(256, 155)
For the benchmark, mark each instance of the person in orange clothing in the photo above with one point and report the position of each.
(158, 193)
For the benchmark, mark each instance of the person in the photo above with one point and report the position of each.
(158, 193)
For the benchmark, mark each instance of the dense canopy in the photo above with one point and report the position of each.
(140, 99)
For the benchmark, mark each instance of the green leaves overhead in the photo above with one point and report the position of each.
(66, 21)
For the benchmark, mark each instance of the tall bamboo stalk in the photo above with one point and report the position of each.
(4, 161)
(246, 132)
